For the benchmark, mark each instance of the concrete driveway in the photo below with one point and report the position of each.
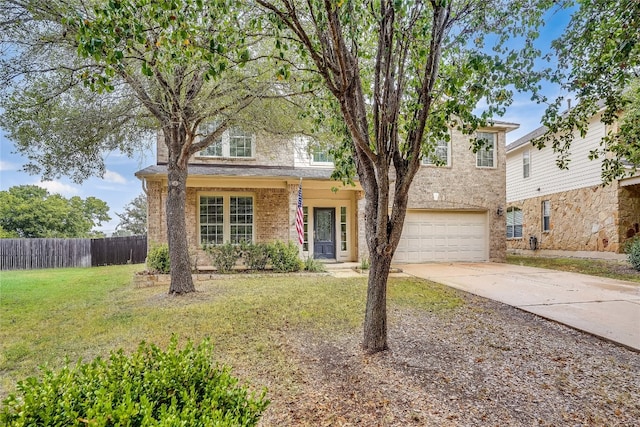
(603, 307)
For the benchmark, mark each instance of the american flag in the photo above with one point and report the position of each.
(300, 216)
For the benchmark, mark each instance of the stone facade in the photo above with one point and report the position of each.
(629, 212)
(596, 219)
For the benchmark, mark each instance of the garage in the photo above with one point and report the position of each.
(430, 236)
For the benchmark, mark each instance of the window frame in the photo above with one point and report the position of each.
(316, 149)
(225, 145)
(545, 216)
(428, 160)
(227, 221)
(484, 149)
(526, 164)
(512, 216)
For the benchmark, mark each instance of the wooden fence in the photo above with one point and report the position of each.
(27, 254)
(118, 250)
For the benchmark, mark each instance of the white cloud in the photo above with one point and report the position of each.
(115, 177)
(7, 166)
(58, 187)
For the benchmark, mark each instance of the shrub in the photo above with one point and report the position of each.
(365, 264)
(313, 265)
(152, 387)
(158, 259)
(223, 257)
(633, 253)
(284, 257)
(256, 256)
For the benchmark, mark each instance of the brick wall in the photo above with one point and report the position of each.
(463, 186)
(270, 206)
(270, 150)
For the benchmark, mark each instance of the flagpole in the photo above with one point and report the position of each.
(300, 217)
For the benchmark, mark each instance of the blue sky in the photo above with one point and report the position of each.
(119, 185)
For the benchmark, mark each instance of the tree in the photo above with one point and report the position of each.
(399, 74)
(30, 211)
(134, 218)
(599, 63)
(170, 65)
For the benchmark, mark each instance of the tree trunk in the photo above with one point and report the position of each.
(181, 280)
(375, 318)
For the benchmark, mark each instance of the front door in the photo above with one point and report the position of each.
(324, 233)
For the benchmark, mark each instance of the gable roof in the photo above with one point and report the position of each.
(526, 138)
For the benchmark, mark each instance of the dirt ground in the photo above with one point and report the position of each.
(484, 364)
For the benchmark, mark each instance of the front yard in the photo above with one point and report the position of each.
(455, 359)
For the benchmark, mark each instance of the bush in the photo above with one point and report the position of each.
(256, 256)
(284, 257)
(158, 259)
(633, 253)
(313, 265)
(150, 388)
(223, 257)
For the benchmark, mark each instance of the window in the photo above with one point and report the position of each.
(514, 223)
(343, 228)
(241, 219)
(211, 220)
(526, 164)
(226, 218)
(240, 143)
(320, 154)
(440, 155)
(234, 142)
(305, 225)
(485, 156)
(546, 215)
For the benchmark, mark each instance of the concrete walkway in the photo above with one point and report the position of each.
(603, 307)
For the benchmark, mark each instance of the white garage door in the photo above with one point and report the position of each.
(443, 236)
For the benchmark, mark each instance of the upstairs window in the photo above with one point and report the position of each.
(486, 155)
(440, 155)
(526, 164)
(514, 223)
(234, 143)
(320, 154)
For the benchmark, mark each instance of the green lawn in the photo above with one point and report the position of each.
(49, 315)
(603, 268)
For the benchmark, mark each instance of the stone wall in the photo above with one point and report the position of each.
(629, 216)
(585, 219)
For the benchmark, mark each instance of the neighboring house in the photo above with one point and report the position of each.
(245, 187)
(567, 210)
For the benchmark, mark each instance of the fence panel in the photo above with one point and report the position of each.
(118, 250)
(28, 254)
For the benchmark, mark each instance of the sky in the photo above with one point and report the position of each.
(119, 186)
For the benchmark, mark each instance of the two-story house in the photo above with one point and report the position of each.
(551, 209)
(245, 188)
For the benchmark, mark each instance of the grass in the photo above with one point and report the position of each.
(603, 268)
(49, 316)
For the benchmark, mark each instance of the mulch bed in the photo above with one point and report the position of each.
(483, 364)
